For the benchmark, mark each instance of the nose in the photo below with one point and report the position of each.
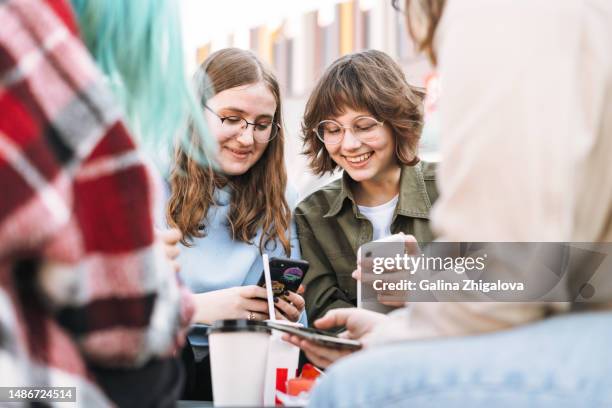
(350, 141)
(246, 137)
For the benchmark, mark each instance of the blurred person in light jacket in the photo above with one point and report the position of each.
(526, 131)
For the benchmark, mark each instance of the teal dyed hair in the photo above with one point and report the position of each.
(137, 44)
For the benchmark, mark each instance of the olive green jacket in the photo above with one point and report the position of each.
(331, 229)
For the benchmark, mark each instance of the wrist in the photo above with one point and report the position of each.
(205, 308)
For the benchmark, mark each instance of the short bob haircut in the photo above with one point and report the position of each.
(367, 81)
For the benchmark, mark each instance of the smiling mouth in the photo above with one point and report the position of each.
(238, 152)
(359, 159)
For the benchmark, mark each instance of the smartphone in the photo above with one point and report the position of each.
(393, 245)
(285, 274)
(327, 339)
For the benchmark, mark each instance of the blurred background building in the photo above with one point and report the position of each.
(299, 39)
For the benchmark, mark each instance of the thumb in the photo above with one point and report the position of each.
(411, 245)
(170, 236)
(334, 318)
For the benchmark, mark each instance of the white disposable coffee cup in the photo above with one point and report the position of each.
(238, 358)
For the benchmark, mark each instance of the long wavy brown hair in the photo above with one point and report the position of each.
(258, 196)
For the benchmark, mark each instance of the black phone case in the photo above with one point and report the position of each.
(286, 274)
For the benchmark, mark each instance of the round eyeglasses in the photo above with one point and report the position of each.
(363, 128)
(263, 131)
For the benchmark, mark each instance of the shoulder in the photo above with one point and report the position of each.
(319, 202)
(428, 169)
(292, 196)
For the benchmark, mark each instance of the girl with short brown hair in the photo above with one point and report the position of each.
(364, 118)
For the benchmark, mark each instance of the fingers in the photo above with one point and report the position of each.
(391, 295)
(169, 239)
(317, 359)
(251, 315)
(280, 316)
(365, 263)
(172, 251)
(253, 292)
(171, 254)
(334, 318)
(345, 335)
(254, 298)
(319, 355)
(392, 303)
(170, 236)
(255, 305)
(287, 338)
(328, 353)
(296, 300)
(287, 309)
(411, 245)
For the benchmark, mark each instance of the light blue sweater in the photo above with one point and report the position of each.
(216, 261)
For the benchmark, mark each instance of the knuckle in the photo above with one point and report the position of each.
(239, 302)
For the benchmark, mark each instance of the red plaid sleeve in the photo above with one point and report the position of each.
(78, 196)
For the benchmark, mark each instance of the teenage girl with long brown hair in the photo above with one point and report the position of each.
(231, 214)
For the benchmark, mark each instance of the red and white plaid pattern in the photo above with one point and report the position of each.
(81, 279)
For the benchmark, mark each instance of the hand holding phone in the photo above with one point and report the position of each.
(286, 276)
(324, 338)
(323, 351)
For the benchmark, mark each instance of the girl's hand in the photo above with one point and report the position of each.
(411, 247)
(170, 239)
(290, 305)
(240, 302)
(358, 324)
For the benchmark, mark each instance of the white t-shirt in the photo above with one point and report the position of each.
(380, 217)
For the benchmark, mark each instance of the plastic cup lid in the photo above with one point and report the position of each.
(238, 325)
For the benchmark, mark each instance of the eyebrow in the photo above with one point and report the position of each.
(352, 120)
(242, 112)
(359, 115)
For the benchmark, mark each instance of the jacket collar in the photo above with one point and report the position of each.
(345, 193)
(413, 200)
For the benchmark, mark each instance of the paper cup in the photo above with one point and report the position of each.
(283, 358)
(238, 358)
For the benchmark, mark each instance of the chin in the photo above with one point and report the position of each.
(359, 175)
(234, 169)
